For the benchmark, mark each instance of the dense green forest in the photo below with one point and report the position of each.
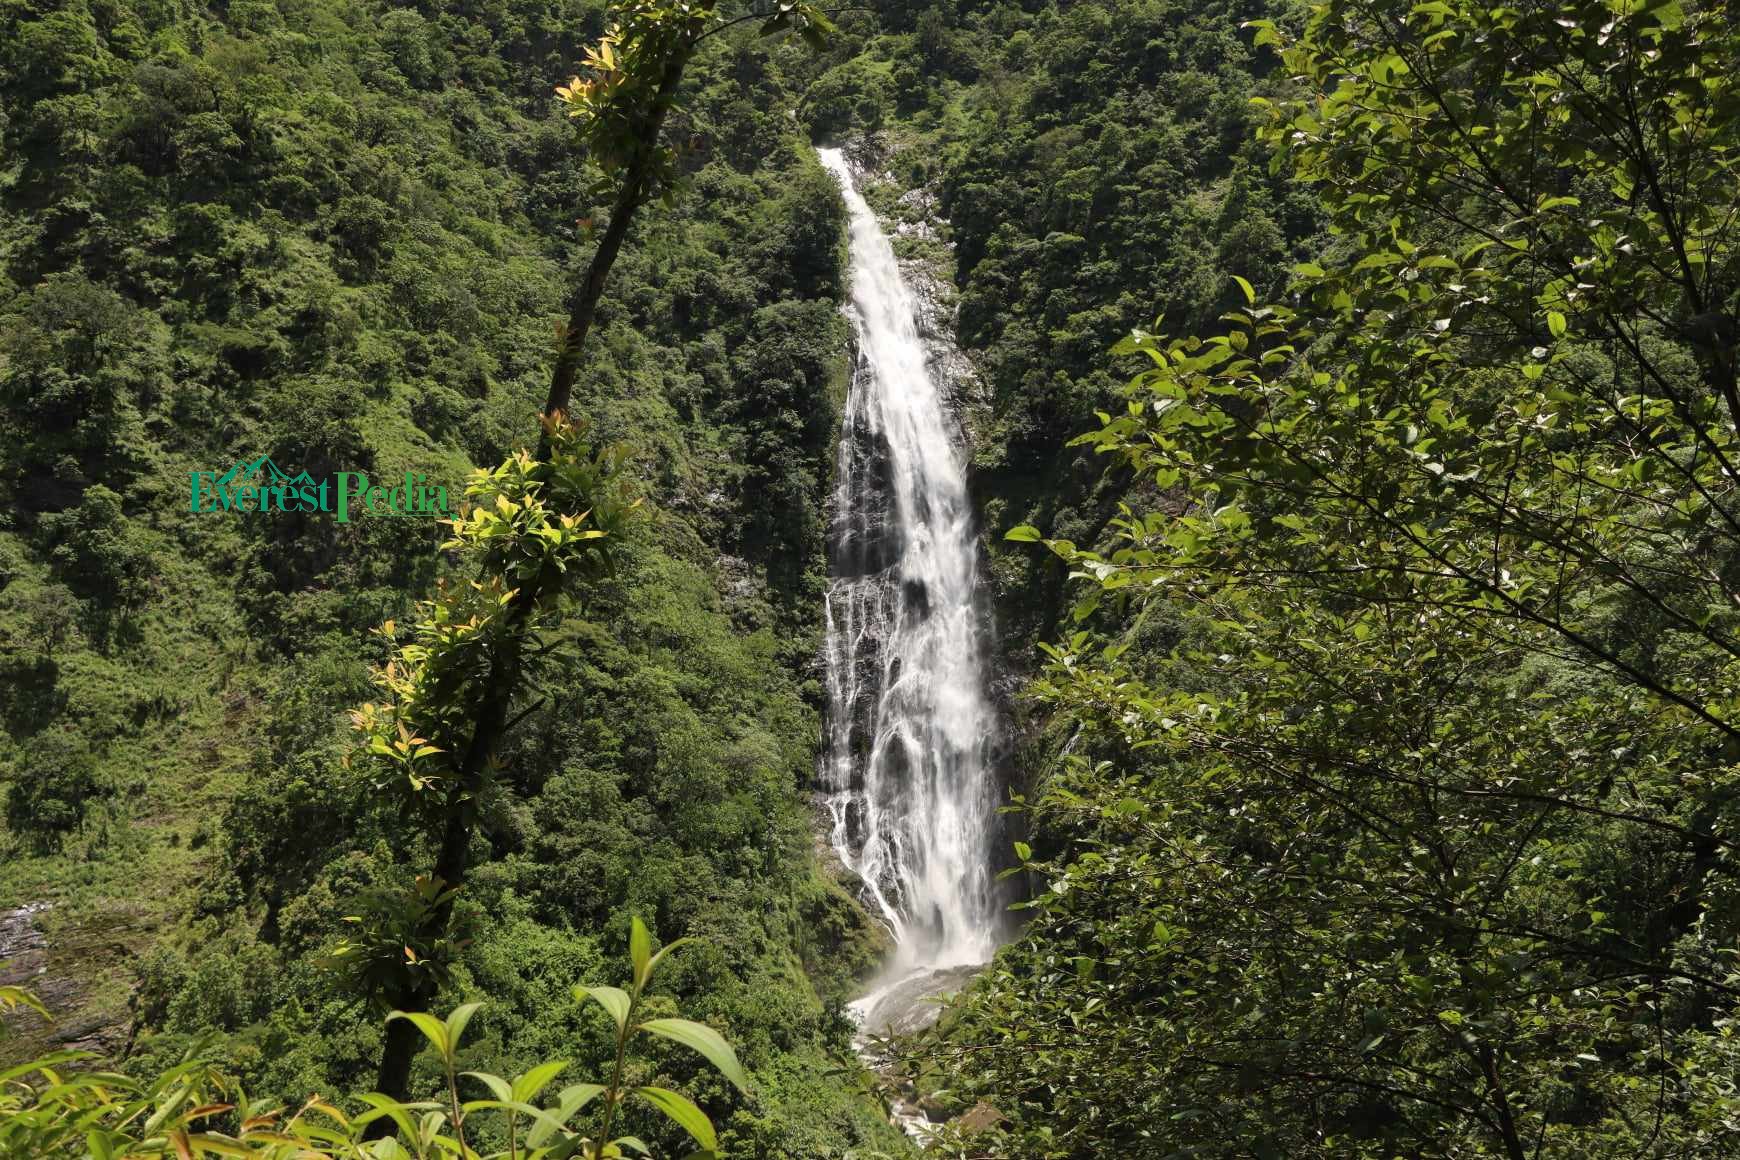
(1367, 659)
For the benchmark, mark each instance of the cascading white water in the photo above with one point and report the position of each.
(908, 774)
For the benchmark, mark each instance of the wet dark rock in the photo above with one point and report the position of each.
(916, 595)
(915, 1002)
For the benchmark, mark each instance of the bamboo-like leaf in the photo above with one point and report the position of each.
(316, 1105)
(167, 1108)
(524, 1109)
(639, 949)
(380, 1105)
(204, 1142)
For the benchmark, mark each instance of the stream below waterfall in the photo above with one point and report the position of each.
(908, 773)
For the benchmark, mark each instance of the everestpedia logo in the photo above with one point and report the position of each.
(261, 486)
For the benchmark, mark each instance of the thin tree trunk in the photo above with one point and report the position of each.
(453, 859)
(1506, 1117)
(403, 1040)
(636, 184)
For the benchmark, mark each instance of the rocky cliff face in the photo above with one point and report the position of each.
(915, 223)
(66, 969)
(921, 236)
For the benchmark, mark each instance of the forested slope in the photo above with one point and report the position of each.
(1379, 781)
(1368, 621)
(340, 236)
(1089, 167)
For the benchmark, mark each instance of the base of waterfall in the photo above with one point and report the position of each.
(909, 1001)
(906, 1000)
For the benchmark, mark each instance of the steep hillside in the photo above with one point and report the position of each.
(339, 236)
(1084, 170)
(1379, 781)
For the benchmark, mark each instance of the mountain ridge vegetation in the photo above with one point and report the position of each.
(1372, 731)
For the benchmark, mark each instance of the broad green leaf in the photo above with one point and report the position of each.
(683, 1112)
(498, 1087)
(705, 1040)
(613, 999)
(568, 1103)
(456, 1021)
(527, 1086)
(433, 1029)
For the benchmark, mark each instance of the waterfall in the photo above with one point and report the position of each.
(907, 773)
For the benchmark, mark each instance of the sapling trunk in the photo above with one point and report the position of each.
(459, 818)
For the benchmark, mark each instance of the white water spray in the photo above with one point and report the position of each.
(908, 775)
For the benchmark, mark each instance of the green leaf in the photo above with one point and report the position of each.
(613, 999)
(433, 1029)
(704, 1040)
(683, 1113)
(568, 1103)
(470, 1106)
(527, 1086)
(1670, 14)
(456, 1021)
(1266, 32)
(653, 963)
(639, 949)
(1250, 294)
(379, 1106)
(1023, 534)
(1556, 323)
(498, 1087)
